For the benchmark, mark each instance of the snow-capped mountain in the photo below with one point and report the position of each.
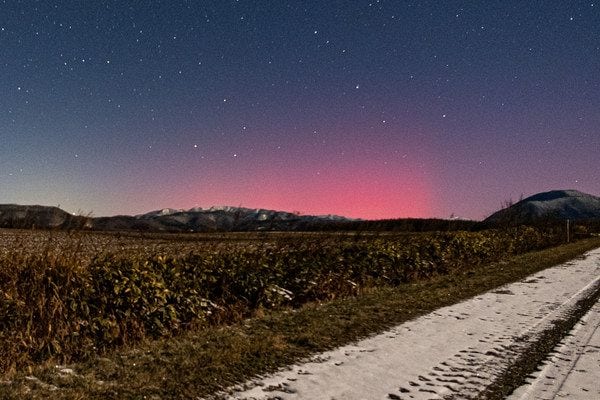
(231, 218)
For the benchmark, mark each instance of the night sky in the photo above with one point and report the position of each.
(372, 109)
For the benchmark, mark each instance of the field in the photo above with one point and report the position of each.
(73, 297)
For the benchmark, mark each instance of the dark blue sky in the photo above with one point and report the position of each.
(363, 108)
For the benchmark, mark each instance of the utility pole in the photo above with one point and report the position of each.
(568, 231)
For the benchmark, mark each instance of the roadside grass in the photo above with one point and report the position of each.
(207, 359)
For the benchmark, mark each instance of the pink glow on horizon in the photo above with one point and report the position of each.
(352, 192)
(359, 174)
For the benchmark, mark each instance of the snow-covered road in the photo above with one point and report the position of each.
(456, 351)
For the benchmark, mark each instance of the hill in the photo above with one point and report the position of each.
(556, 204)
(18, 216)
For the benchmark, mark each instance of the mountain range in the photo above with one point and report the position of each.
(557, 204)
(170, 220)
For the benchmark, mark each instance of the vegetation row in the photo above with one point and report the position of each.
(53, 308)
